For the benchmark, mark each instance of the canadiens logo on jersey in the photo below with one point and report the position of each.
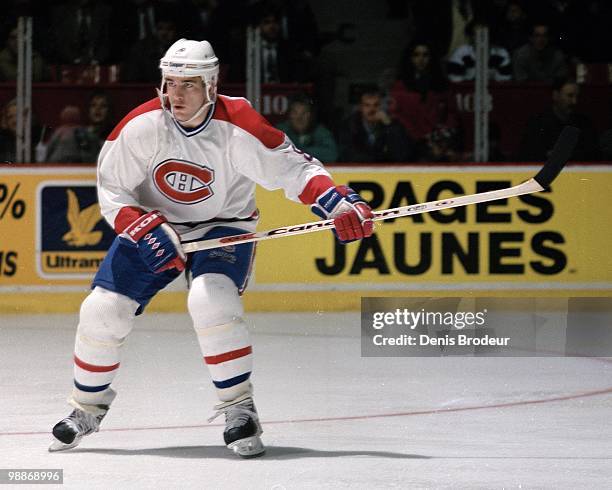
(183, 182)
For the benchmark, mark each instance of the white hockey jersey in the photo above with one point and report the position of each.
(204, 176)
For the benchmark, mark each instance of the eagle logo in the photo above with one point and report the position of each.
(82, 222)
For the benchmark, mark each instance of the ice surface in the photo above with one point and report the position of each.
(331, 418)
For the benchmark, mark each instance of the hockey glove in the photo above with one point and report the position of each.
(351, 214)
(158, 244)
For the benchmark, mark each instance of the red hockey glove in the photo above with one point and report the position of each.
(351, 214)
(159, 245)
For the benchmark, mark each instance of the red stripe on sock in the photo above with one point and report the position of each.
(228, 356)
(94, 369)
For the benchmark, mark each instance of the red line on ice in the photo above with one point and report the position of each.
(536, 401)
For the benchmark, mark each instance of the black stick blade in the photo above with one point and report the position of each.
(559, 156)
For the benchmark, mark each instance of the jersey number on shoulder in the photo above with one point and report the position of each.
(183, 182)
(307, 156)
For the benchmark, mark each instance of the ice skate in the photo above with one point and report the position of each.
(68, 432)
(242, 428)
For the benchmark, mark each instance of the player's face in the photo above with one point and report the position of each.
(186, 94)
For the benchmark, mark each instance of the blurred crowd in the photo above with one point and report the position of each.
(411, 119)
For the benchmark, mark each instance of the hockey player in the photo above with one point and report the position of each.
(179, 168)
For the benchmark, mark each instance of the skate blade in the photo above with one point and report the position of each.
(249, 447)
(58, 445)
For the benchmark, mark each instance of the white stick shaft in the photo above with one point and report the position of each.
(525, 188)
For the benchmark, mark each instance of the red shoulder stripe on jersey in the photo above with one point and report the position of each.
(315, 187)
(241, 114)
(149, 106)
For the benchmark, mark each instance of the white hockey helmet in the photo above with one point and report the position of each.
(186, 58)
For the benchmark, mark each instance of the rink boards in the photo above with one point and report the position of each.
(52, 239)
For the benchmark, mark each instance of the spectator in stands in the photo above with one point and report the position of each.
(543, 129)
(221, 22)
(38, 10)
(590, 23)
(513, 30)
(561, 17)
(605, 145)
(420, 99)
(8, 61)
(306, 134)
(495, 153)
(136, 18)
(72, 142)
(142, 63)
(444, 22)
(80, 32)
(539, 60)
(131, 21)
(280, 62)
(201, 20)
(100, 116)
(134, 21)
(299, 27)
(8, 130)
(371, 135)
(605, 140)
(462, 62)
(495, 139)
(275, 52)
(442, 146)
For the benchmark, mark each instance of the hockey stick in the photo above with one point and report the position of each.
(559, 156)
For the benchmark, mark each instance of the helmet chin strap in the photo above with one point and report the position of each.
(195, 116)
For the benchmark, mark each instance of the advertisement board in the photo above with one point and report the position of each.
(51, 230)
(52, 236)
(554, 239)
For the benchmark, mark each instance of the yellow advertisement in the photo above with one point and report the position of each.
(52, 234)
(557, 239)
(51, 230)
